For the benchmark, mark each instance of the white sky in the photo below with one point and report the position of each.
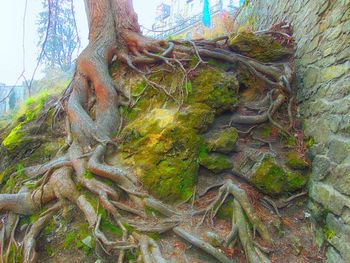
(11, 30)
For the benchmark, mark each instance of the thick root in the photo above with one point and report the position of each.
(230, 188)
(29, 241)
(242, 209)
(202, 245)
(245, 237)
(258, 119)
(149, 249)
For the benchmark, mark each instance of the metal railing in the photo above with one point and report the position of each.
(187, 23)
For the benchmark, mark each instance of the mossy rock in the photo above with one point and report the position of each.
(214, 88)
(260, 47)
(160, 142)
(198, 116)
(27, 142)
(295, 161)
(223, 141)
(20, 134)
(163, 153)
(273, 179)
(215, 162)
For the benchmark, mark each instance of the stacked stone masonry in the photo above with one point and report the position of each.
(322, 58)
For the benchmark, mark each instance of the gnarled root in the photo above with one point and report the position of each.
(258, 119)
(252, 252)
(242, 210)
(149, 249)
(89, 134)
(29, 240)
(202, 245)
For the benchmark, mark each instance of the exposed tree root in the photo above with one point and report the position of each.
(29, 242)
(253, 253)
(258, 119)
(241, 196)
(89, 135)
(149, 249)
(202, 245)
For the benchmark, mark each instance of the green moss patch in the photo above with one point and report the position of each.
(160, 141)
(260, 47)
(223, 141)
(18, 135)
(295, 161)
(163, 153)
(214, 88)
(80, 238)
(214, 162)
(273, 179)
(198, 116)
(226, 210)
(11, 181)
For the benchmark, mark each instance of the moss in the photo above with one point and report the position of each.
(10, 184)
(260, 47)
(18, 135)
(50, 227)
(138, 89)
(215, 89)
(129, 228)
(34, 108)
(14, 254)
(88, 174)
(131, 256)
(161, 142)
(154, 235)
(287, 140)
(295, 161)
(15, 137)
(163, 152)
(49, 250)
(223, 141)
(20, 169)
(295, 181)
(12, 181)
(107, 226)
(197, 116)
(69, 239)
(218, 64)
(309, 142)
(216, 162)
(172, 179)
(264, 131)
(8, 171)
(33, 218)
(328, 233)
(273, 179)
(77, 238)
(226, 210)
(152, 212)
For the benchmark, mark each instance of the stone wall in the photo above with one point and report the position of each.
(322, 56)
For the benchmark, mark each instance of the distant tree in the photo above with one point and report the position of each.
(57, 33)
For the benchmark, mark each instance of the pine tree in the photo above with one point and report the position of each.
(57, 33)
